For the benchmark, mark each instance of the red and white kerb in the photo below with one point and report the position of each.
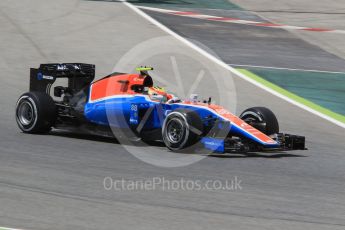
(238, 21)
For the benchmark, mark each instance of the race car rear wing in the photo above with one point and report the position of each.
(79, 75)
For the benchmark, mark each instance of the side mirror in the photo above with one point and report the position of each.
(194, 98)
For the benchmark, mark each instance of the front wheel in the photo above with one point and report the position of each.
(262, 119)
(181, 129)
(35, 112)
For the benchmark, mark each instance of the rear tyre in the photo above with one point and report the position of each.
(181, 129)
(35, 112)
(262, 119)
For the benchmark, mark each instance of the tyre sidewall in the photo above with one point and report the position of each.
(193, 125)
(32, 125)
(186, 132)
(263, 115)
(44, 110)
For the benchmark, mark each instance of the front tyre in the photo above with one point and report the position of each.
(262, 119)
(181, 129)
(35, 112)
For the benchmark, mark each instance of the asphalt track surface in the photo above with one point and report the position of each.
(56, 181)
(250, 45)
(321, 14)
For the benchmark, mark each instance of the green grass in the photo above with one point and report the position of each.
(322, 88)
(293, 96)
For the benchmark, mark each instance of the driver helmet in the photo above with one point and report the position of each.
(157, 93)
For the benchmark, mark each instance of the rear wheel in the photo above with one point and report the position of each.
(35, 112)
(262, 119)
(181, 129)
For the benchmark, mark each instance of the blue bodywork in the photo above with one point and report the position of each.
(120, 112)
(125, 110)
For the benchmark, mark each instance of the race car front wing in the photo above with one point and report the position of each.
(285, 142)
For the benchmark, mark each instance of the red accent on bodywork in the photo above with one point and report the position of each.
(115, 85)
(236, 120)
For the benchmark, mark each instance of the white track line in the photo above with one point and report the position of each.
(283, 68)
(239, 21)
(234, 71)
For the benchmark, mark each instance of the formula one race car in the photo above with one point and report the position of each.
(130, 102)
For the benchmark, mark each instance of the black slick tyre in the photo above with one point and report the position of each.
(35, 112)
(182, 128)
(262, 119)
